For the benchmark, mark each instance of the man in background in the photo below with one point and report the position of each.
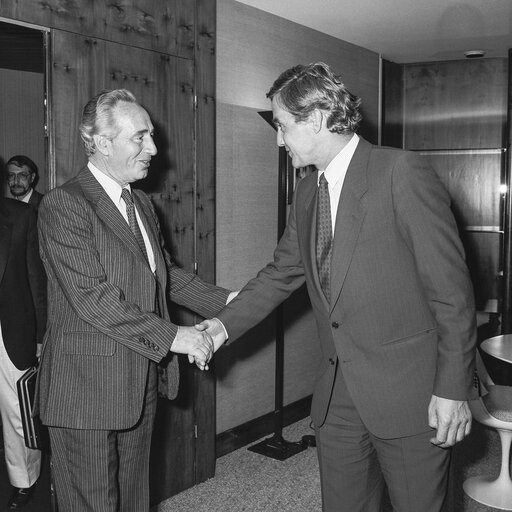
(22, 176)
(22, 324)
(109, 276)
(372, 235)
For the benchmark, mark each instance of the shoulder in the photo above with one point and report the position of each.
(12, 207)
(18, 212)
(69, 189)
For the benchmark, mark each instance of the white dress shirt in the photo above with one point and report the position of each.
(27, 197)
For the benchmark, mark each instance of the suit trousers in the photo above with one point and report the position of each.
(23, 464)
(105, 470)
(355, 466)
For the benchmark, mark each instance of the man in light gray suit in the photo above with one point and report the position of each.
(108, 324)
(372, 235)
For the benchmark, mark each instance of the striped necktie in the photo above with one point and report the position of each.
(132, 221)
(324, 236)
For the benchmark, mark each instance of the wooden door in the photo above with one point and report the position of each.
(164, 85)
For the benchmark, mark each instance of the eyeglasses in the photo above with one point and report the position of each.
(11, 176)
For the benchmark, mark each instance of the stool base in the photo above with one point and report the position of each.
(493, 493)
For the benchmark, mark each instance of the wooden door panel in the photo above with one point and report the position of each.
(163, 26)
(81, 67)
(473, 182)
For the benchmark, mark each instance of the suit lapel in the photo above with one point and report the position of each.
(349, 218)
(107, 211)
(5, 239)
(147, 219)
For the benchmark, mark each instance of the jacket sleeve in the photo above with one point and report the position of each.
(272, 285)
(426, 222)
(36, 276)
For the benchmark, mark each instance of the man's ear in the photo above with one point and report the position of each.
(317, 120)
(102, 144)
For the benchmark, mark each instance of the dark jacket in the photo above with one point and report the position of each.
(22, 283)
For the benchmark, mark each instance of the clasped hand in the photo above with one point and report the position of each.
(200, 342)
(196, 343)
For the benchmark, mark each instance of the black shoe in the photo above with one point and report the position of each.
(20, 497)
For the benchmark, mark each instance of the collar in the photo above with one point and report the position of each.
(338, 166)
(26, 197)
(111, 187)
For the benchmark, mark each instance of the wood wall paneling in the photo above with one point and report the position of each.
(455, 104)
(205, 59)
(473, 182)
(392, 104)
(167, 27)
(164, 52)
(455, 115)
(83, 66)
(507, 242)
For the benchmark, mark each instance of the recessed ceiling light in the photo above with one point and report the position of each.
(474, 54)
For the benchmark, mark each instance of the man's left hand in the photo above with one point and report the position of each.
(451, 419)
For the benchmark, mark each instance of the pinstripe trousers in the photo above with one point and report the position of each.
(105, 470)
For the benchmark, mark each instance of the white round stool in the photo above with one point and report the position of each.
(494, 410)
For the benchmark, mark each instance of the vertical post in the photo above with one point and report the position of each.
(275, 446)
(507, 229)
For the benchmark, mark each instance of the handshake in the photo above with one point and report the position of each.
(200, 342)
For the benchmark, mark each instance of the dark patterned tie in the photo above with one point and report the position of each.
(132, 221)
(324, 236)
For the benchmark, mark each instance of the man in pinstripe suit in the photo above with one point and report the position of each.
(108, 326)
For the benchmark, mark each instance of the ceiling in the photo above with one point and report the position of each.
(405, 31)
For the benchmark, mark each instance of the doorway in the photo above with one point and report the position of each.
(23, 86)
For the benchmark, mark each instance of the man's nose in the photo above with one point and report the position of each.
(151, 147)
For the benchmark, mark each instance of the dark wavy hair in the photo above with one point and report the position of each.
(304, 88)
(22, 160)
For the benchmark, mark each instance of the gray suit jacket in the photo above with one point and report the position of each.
(401, 322)
(102, 329)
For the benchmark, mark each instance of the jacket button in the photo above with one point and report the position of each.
(335, 325)
(331, 360)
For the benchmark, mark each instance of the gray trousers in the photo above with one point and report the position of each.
(355, 465)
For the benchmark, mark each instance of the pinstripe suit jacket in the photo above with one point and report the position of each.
(102, 330)
(401, 321)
